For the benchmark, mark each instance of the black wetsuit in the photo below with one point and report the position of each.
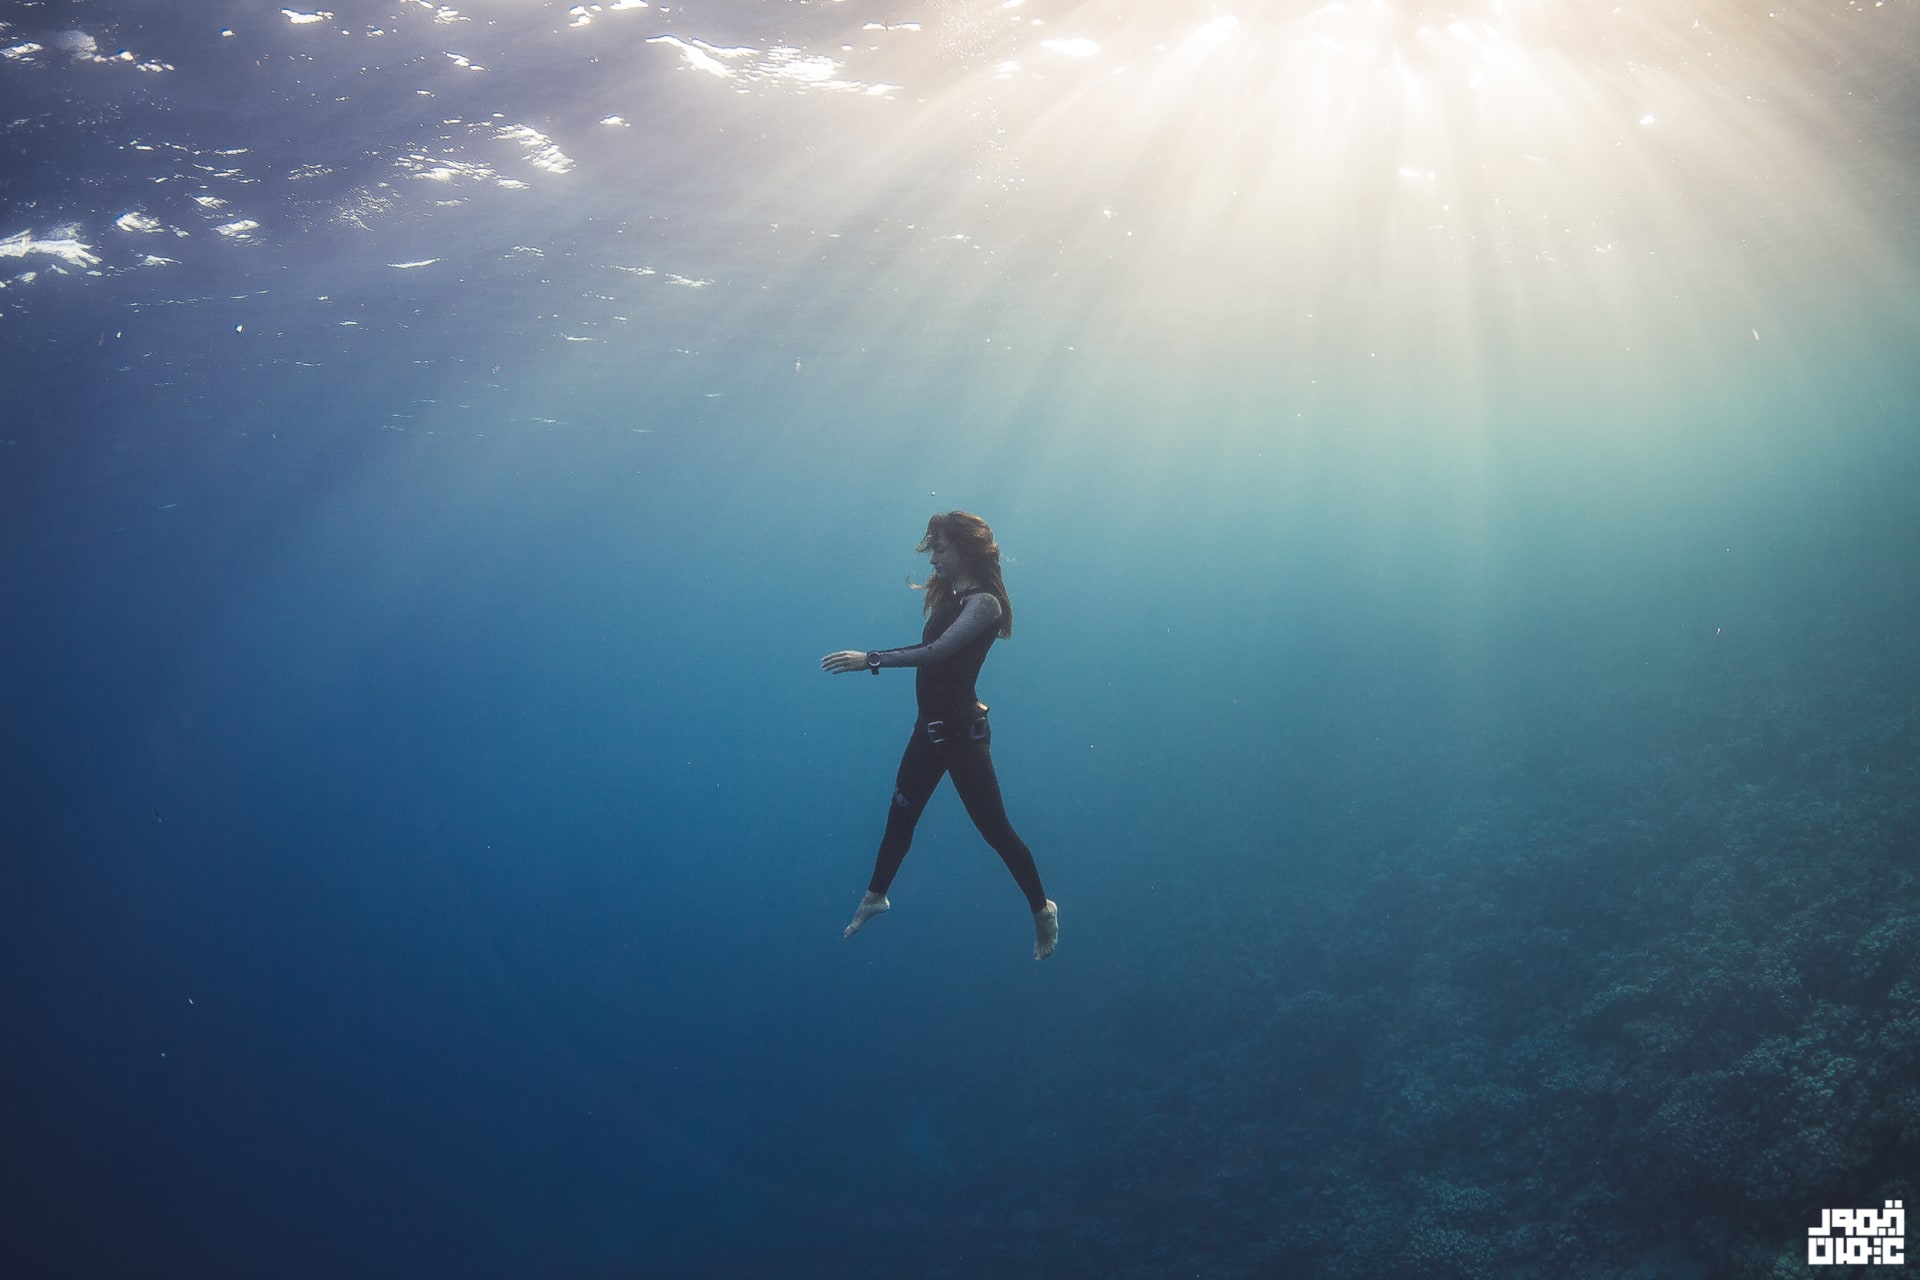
(951, 738)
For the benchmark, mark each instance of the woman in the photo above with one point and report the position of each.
(966, 608)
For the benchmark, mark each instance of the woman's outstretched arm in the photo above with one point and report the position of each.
(980, 613)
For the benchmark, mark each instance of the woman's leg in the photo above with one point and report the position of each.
(921, 766)
(971, 766)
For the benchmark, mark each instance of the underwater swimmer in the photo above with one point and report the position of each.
(966, 608)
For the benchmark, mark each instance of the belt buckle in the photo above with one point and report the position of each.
(937, 732)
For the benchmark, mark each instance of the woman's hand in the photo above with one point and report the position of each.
(836, 664)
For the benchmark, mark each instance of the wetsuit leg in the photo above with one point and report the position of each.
(971, 766)
(921, 767)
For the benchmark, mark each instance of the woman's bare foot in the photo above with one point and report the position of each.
(1046, 929)
(870, 906)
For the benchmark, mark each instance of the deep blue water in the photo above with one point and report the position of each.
(1456, 473)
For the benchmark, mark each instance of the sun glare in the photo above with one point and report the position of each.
(1407, 212)
(1325, 149)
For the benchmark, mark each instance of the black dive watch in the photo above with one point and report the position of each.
(873, 661)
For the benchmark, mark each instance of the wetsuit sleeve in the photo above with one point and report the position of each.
(980, 613)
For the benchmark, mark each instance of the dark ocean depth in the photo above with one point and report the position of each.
(1456, 476)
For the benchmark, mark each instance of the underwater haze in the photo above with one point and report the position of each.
(1456, 470)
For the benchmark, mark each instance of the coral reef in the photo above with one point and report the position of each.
(1637, 998)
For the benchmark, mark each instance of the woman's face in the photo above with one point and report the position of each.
(945, 557)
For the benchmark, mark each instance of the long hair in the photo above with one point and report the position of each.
(979, 553)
